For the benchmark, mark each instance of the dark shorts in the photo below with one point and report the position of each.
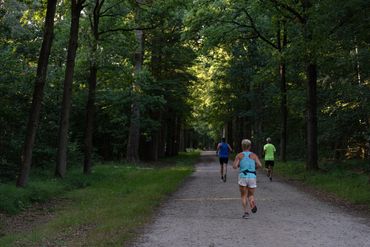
(224, 160)
(269, 163)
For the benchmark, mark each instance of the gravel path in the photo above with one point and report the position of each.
(207, 212)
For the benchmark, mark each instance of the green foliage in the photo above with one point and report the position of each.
(41, 189)
(346, 180)
(207, 63)
(239, 78)
(116, 198)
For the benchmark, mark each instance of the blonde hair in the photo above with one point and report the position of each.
(246, 144)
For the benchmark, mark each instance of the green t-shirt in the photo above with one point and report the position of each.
(269, 151)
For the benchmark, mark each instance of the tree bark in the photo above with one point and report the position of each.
(38, 93)
(156, 70)
(311, 72)
(170, 134)
(182, 138)
(90, 105)
(312, 156)
(132, 154)
(61, 166)
(284, 112)
(283, 94)
(162, 137)
(90, 110)
(176, 137)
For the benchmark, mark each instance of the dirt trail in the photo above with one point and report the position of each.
(207, 212)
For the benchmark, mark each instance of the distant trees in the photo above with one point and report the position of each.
(258, 30)
(146, 79)
(108, 53)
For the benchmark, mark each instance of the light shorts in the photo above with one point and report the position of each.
(248, 182)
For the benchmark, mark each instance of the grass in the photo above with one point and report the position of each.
(347, 180)
(107, 209)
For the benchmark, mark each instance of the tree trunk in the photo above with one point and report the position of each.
(38, 93)
(176, 136)
(182, 138)
(132, 154)
(156, 70)
(312, 157)
(170, 135)
(90, 105)
(230, 132)
(283, 94)
(155, 146)
(61, 166)
(90, 110)
(311, 72)
(191, 139)
(162, 137)
(235, 130)
(256, 133)
(284, 112)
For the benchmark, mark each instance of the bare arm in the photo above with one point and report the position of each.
(255, 158)
(230, 148)
(236, 163)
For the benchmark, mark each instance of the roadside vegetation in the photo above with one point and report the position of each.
(348, 180)
(104, 208)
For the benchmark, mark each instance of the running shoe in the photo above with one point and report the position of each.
(270, 179)
(254, 209)
(245, 215)
(224, 179)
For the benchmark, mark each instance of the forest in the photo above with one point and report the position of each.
(83, 81)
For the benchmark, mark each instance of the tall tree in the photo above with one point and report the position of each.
(34, 115)
(132, 152)
(282, 43)
(311, 72)
(90, 106)
(61, 165)
(302, 17)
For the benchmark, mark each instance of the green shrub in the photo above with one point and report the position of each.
(346, 180)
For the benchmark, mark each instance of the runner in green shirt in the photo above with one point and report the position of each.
(269, 151)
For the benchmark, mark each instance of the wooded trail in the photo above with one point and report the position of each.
(207, 212)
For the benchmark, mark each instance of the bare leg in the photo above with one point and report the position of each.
(243, 194)
(222, 170)
(269, 171)
(252, 203)
(251, 197)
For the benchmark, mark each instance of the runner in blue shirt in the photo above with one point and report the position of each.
(223, 150)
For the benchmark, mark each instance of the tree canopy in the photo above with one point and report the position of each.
(295, 71)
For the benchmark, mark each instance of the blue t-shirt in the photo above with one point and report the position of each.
(249, 164)
(224, 150)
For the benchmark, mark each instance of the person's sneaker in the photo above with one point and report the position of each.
(224, 179)
(254, 209)
(270, 179)
(245, 215)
